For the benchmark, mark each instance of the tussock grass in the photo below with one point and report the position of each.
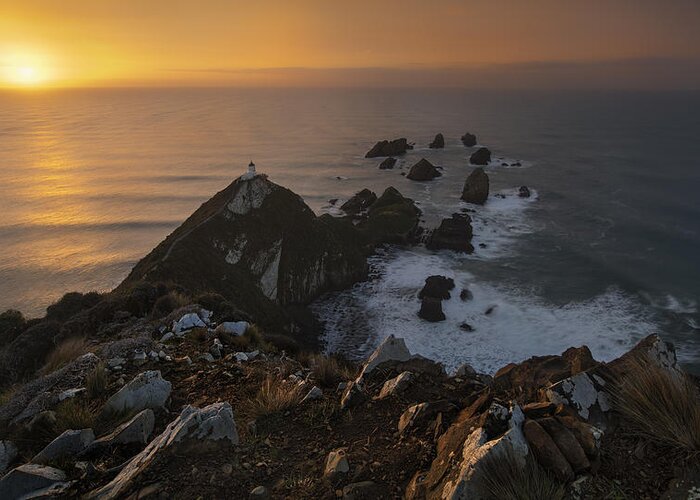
(64, 353)
(328, 371)
(74, 414)
(502, 478)
(96, 382)
(7, 394)
(252, 339)
(660, 405)
(275, 396)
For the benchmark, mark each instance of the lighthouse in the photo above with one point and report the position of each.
(251, 172)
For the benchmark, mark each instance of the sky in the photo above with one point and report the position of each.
(640, 44)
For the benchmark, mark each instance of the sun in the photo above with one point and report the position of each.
(23, 69)
(25, 75)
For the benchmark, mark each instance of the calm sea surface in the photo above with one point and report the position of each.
(606, 251)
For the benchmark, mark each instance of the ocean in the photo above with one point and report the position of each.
(606, 251)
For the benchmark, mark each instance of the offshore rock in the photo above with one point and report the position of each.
(469, 140)
(389, 148)
(359, 203)
(481, 156)
(387, 164)
(454, 234)
(438, 142)
(423, 171)
(476, 187)
(437, 287)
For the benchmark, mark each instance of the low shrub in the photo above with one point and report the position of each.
(169, 303)
(96, 382)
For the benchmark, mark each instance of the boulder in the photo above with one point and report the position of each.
(389, 148)
(466, 295)
(196, 431)
(567, 444)
(437, 287)
(391, 349)
(438, 142)
(454, 234)
(188, 322)
(421, 416)
(387, 164)
(546, 451)
(336, 465)
(585, 393)
(8, 453)
(481, 156)
(136, 430)
(70, 443)
(146, 390)
(237, 328)
(31, 481)
(465, 370)
(588, 436)
(431, 310)
(469, 140)
(423, 171)
(476, 187)
(396, 385)
(524, 192)
(359, 203)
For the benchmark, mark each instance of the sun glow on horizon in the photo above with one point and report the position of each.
(24, 70)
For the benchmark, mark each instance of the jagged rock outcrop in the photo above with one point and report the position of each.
(481, 156)
(431, 310)
(43, 392)
(32, 481)
(476, 187)
(136, 430)
(438, 142)
(454, 233)
(68, 444)
(206, 430)
(469, 140)
(360, 202)
(389, 148)
(8, 453)
(423, 171)
(262, 248)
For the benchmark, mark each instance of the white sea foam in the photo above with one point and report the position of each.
(521, 324)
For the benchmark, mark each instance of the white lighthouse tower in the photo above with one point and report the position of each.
(251, 171)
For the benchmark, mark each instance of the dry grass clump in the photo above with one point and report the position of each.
(502, 478)
(275, 396)
(64, 353)
(74, 414)
(327, 371)
(253, 338)
(660, 405)
(96, 382)
(7, 394)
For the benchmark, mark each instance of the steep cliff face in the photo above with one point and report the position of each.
(260, 245)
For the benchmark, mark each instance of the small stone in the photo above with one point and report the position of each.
(227, 469)
(336, 464)
(207, 357)
(259, 493)
(314, 394)
(71, 393)
(162, 355)
(167, 336)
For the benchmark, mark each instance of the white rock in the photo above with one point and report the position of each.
(213, 423)
(396, 385)
(8, 453)
(188, 322)
(259, 493)
(252, 355)
(392, 349)
(167, 336)
(205, 315)
(140, 357)
(162, 355)
(336, 464)
(207, 357)
(241, 356)
(30, 481)
(136, 430)
(153, 355)
(583, 393)
(233, 327)
(476, 448)
(146, 390)
(71, 393)
(70, 443)
(314, 394)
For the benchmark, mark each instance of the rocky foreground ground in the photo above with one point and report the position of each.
(200, 377)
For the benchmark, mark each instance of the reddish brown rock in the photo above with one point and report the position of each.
(587, 435)
(546, 451)
(539, 410)
(567, 443)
